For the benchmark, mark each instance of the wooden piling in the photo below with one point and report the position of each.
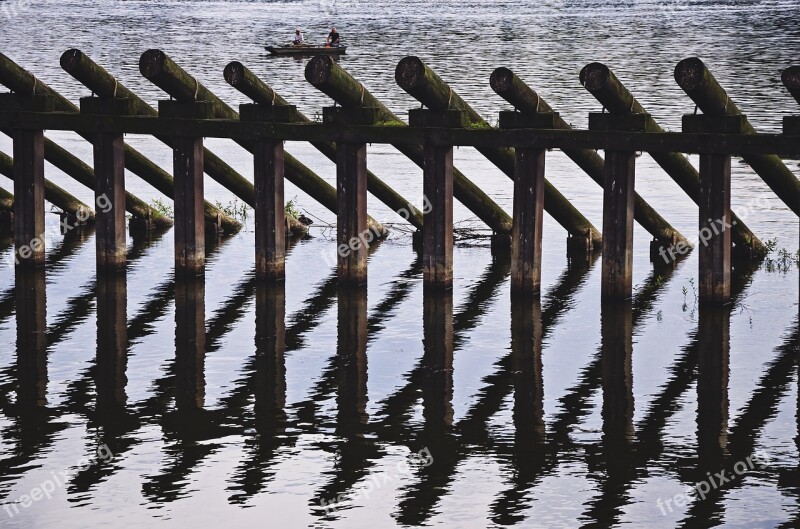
(109, 169)
(791, 80)
(190, 239)
(161, 70)
(29, 197)
(601, 82)
(618, 194)
(715, 251)
(238, 76)
(526, 236)
(352, 234)
(331, 79)
(437, 232)
(529, 103)
(270, 215)
(422, 83)
(696, 80)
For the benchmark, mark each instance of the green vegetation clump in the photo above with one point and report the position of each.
(479, 125)
(291, 209)
(235, 209)
(161, 208)
(390, 123)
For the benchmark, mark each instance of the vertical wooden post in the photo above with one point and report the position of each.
(713, 372)
(109, 169)
(715, 224)
(618, 195)
(352, 235)
(351, 355)
(187, 159)
(526, 232)
(112, 343)
(714, 236)
(437, 230)
(616, 329)
(29, 197)
(270, 212)
(190, 343)
(31, 309)
(190, 243)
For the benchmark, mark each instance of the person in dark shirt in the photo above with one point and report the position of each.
(333, 39)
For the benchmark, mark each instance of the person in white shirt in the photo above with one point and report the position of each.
(298, 37)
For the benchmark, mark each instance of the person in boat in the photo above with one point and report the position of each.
(298, 38)
(333, 39)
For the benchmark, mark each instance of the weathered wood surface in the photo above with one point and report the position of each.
(328, 77)
(190, 248)
(109, 168)
(418, 80)
(162, 71)
(525, 100)
(696, 80)
(29, 198)
(601, 82)
(526, 235)
(437, 234)
(270, 215)
(618, 195)
(21, 81)
(52, 193)
(714, 285)
(352, 235)
(241, 78)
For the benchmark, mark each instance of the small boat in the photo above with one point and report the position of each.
(291, 49)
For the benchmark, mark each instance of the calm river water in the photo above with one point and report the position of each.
(150, 402)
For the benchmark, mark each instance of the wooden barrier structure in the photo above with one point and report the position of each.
(518, 148)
